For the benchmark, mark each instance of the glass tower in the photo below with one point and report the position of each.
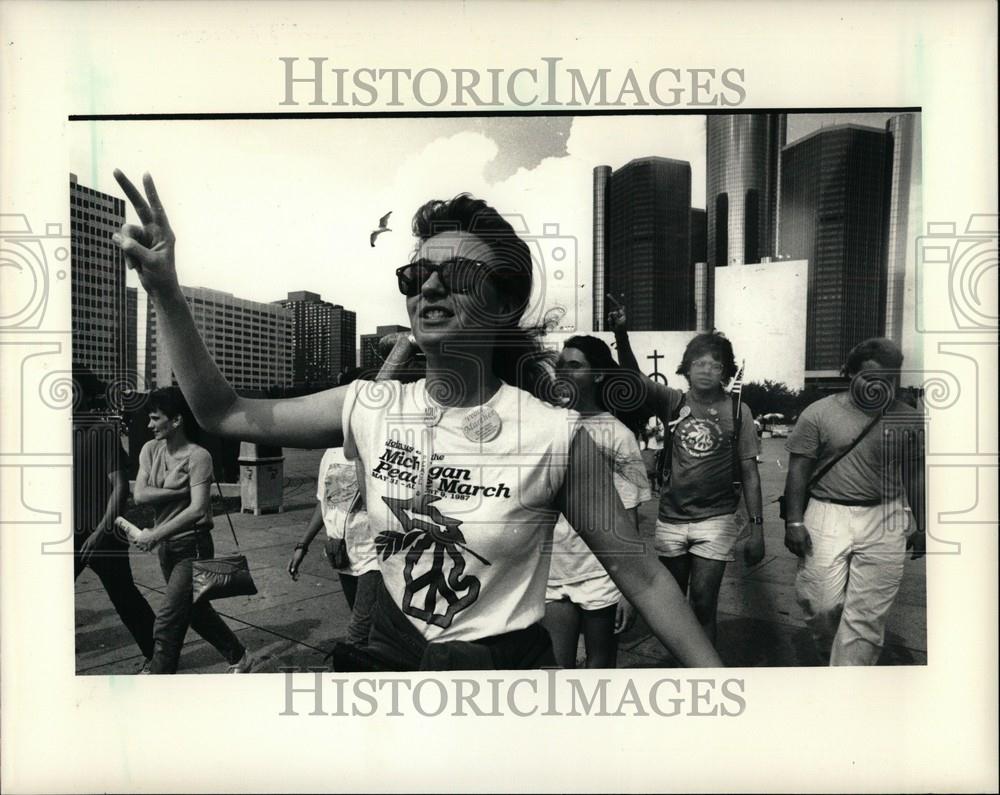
(743, 159)
(835, 190)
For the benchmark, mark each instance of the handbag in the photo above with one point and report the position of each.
(819, 475)
(218, 578)
(335, 549)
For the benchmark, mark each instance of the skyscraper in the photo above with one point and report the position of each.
(601, 176)
(324, 337)
(646, 253)
(743, 159)
(98, 282)
(131, 334)
(835, 189)
(251, 342)
(903, 130)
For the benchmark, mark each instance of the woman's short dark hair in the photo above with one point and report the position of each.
(715, 343)
(622, 392)
(876, 349)
(512, 258)
(518, 358)
(171, 403)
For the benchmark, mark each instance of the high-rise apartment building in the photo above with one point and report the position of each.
(835, 190)
(251, 342)
(324, 338)
(370, 359)
(97, 282)
(743, 160)
(646, 251)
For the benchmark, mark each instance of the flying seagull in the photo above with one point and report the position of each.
(381, 227)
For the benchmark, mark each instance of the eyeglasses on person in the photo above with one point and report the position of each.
(710, 366)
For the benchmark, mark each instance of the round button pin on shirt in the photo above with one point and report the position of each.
(482, 425)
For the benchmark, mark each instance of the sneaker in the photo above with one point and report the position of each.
(246, 664)
(144, 667)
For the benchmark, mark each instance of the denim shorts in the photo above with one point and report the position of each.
(713, 538)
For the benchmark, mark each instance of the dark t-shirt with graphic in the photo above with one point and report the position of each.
(701, 469)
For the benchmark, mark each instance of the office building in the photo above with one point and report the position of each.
(645, 256)
(251, 342)
(370, 358)
(97, 284)
(131, 335)
(835, 188)
(903, 131)
(743, 161)
(324, 338)
(704, 296)
(601, 176)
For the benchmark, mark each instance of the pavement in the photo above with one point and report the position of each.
(293, 623)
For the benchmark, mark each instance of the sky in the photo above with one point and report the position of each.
(261, 208)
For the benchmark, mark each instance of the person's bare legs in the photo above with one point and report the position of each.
(562, 621)
(706, 579)
(680, 567)
(599, 637)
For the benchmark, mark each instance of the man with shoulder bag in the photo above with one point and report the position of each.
(853, 504)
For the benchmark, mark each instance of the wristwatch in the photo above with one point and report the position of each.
(302, 546)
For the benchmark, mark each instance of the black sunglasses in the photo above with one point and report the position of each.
(458, 275)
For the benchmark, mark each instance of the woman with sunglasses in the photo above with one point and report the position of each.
(466, 470)
(581, 597)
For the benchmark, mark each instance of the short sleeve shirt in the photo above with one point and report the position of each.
(460, 549)
(701, 463)
(572, 560)
(336, 485)
(869, 472)
(192, 467)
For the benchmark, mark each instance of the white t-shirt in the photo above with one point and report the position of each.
(465, 561)
(336, 486)
(572, 560)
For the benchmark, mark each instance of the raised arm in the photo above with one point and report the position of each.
(310, 421)
(592, 506)
(657, 395)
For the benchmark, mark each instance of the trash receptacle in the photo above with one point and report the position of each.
(262, 477)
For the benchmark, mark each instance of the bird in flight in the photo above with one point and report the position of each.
(381, 227)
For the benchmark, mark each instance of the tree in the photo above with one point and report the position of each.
(769, 397)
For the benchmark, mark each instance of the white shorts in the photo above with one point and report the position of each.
(712, 538)
(593, 594)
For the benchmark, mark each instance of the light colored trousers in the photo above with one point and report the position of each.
(847, 585)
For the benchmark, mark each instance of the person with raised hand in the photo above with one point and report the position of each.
(710, 450)
(466, 470)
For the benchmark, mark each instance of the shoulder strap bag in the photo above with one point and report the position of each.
(818, 476)
(218, 578)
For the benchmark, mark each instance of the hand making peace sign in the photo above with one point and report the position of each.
(148, 249)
